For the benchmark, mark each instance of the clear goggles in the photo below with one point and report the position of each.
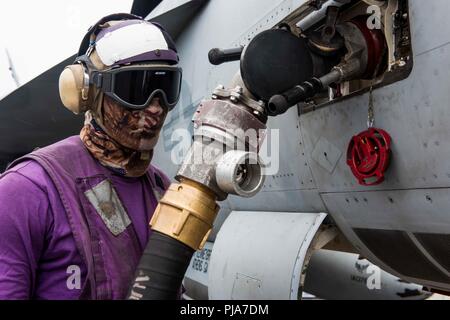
(135, 86)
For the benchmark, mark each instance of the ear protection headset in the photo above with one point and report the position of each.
(74, 82)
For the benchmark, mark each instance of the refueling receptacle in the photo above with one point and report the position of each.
(329, 54)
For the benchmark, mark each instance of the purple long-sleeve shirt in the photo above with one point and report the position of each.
(37, 248)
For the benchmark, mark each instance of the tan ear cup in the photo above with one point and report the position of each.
(72, 90)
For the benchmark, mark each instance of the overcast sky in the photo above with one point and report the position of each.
(40, 34)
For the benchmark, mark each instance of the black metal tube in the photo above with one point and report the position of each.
(280, 103)
(161, 269)
(218, 56)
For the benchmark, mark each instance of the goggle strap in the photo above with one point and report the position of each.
(101, 80)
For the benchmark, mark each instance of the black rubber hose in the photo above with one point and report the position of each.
(161, 269)
(218, 56)
(280, 103)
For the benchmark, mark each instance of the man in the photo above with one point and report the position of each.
(74, 215)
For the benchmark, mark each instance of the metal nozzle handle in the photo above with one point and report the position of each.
(218, 56)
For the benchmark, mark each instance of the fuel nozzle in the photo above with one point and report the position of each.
(280, 103)
(365, 51)
(218, 56)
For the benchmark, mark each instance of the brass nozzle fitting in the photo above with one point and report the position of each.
(186, 213)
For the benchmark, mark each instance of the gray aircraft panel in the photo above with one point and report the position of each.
(414, 113)
(238, 271)
(220, 25)
(167, 6)
(426, 35)
(288, 201)
(273, 16)
(287, 140)
(421, 210)
(175, 15)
